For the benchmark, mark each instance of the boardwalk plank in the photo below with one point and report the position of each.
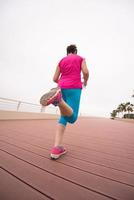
(99, 164)
(12, 189)
(127, 166)
(101, 147)
(106, 172)
(83, 149)
(90, 181)
(53, 186)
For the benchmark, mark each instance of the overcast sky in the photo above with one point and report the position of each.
(33, 38)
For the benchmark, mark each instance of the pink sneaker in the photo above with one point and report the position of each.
(56, 152)
(52, 97)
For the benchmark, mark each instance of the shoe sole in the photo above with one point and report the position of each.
(55, 157)
(46, 97)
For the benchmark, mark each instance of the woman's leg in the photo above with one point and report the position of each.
(69, 112)
(65, 109)
(73, 101)
(69, 106)
(59, 135)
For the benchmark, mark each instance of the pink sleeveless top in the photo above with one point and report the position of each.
(70, 69)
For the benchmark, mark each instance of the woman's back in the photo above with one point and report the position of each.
(70, 69)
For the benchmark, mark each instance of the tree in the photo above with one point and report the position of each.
(113, 114)
(129, 109)
(121, 108)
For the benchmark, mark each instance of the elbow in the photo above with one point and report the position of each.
(55, 80)
(86, 74)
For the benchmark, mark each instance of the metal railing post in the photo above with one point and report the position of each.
(18, 105)
(41, 110)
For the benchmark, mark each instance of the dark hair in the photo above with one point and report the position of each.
(71, 49)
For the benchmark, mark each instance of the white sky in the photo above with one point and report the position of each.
(33, 38)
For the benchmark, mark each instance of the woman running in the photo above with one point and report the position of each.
(67, 95)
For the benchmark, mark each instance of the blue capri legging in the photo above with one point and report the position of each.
(72, 98)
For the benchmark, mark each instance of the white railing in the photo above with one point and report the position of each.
(22, 106)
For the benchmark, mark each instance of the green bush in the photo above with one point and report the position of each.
(128, 116)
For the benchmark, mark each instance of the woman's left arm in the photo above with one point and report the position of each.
(56, 74)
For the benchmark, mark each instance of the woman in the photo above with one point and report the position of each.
(67, 95)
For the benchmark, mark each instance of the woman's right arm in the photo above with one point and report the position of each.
(56, 74)
(85, 72)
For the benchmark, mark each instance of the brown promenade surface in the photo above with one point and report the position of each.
(99, 164)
